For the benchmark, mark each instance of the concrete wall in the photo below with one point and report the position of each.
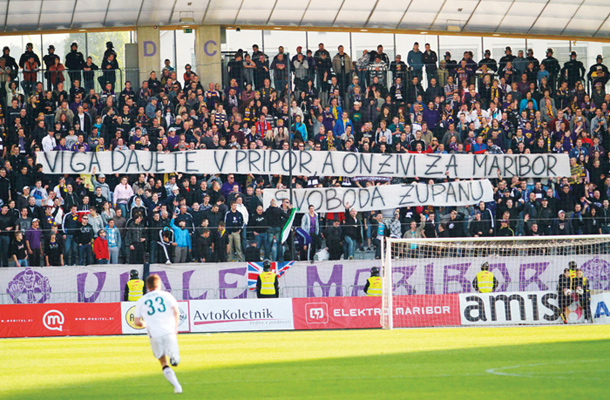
(149, 58)
(207, 54)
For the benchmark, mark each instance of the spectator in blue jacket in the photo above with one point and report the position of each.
(182, 238)
(341, 124)
(415, 58)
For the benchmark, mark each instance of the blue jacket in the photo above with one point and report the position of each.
(415, 60)
(340, 127)
(114, 237)
(234, 221)
(181, 236)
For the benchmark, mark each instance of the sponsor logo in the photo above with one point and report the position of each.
(356, 312)
(130, 318)
(601, 310)
(429, 310)
(182, 318)
(535, 307)
(53, 320)
(216, 317)
(29, 287)
(316, 313)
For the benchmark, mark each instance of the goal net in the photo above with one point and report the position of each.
(422, 278)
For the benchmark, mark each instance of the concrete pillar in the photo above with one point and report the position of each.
(207, 54)
(149, 50)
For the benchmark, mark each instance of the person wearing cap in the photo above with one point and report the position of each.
(598, 72)
(11, 64)
(479, 227)
(551, 64)
(490, 62)
(29, 52)
(562, 226)
(572, 71)
(520, 62)
(485, 281)
(373, 285)
(134, 288)
(267, 285)
(30, 73)
(33, 240)
(74, 63)
(109, 50)
(399, 69)
(508, 57)
(415, 59)
(505, 229)
(531, 59)
(450, 64)
(49, 61)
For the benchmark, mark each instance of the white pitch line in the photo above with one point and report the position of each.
(498, 371)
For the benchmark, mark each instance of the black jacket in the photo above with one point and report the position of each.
(83, 234)
(276, 217)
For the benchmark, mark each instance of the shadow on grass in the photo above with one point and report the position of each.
(538, 371)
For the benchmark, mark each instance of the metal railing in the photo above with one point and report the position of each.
(297, 291)
(26, 81)
(387, 74)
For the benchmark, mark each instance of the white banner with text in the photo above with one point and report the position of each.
(385, 197)
(307, 163)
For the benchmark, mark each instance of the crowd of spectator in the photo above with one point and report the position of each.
(518, 105)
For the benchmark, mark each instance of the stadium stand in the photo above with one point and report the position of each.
(323, 100)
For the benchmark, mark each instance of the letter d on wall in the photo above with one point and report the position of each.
(150, 48)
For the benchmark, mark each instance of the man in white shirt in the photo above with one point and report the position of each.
(49, 142)
(162, 315)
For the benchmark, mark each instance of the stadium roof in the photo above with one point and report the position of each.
(583, 18)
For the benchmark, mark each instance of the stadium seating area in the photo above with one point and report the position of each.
(311, 101)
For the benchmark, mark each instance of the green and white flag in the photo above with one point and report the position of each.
(288, 226)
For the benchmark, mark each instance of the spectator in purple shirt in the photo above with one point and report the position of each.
(32, 243)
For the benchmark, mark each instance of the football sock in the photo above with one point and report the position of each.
(170, 375)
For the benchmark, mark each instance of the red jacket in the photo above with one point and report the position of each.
(100, 249)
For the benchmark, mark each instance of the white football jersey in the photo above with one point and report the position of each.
(156, 309)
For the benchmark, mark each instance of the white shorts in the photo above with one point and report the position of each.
(166, 346)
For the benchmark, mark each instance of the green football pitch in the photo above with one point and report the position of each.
(556, 362)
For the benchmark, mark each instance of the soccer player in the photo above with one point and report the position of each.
(583, 293)
(162, 315)
(564, 293)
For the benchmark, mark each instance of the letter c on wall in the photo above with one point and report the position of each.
(150, 48)
(210, 52)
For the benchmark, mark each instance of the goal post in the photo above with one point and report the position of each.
(417, 270)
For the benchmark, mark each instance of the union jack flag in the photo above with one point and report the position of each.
(255, 268)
